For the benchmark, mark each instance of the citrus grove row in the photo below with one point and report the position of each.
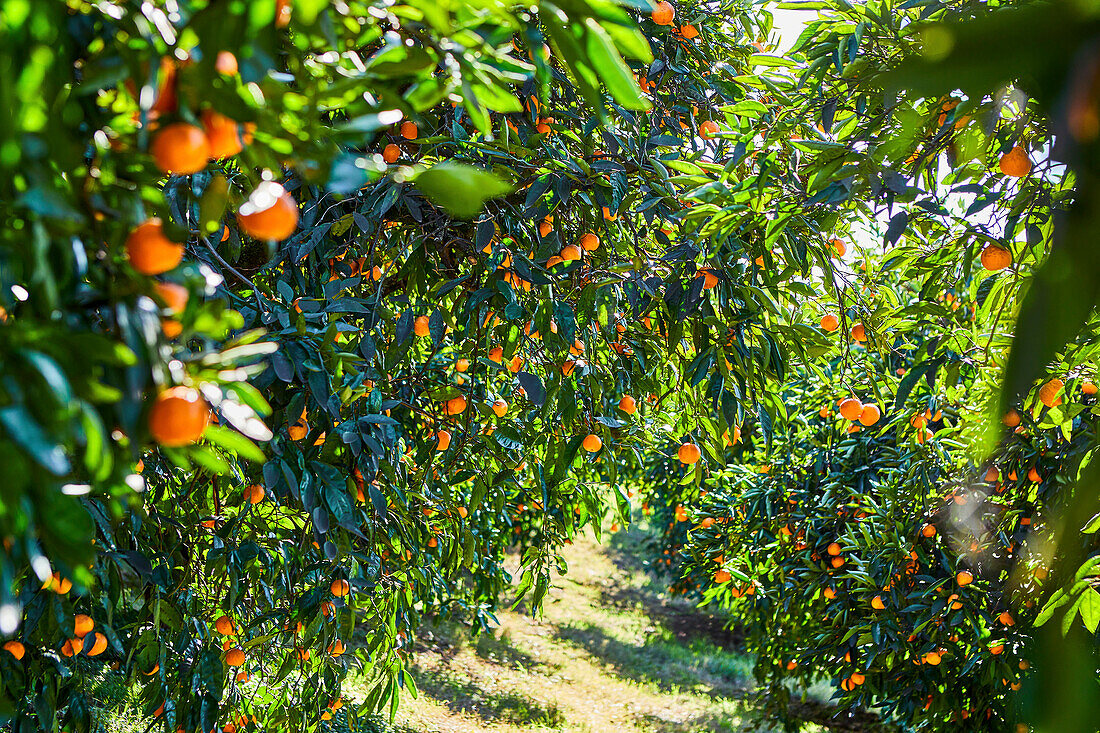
(316, 313)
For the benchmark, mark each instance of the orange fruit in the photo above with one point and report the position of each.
(462, 365)
(568, 367)
(150, 251)
(269, 213)
(928, 530)
(877, 604)
(83, 625)
(590, 242)
(992, 475)
(254, 494)
(99, 645)
(689, 453)
(829, 323)
(463, 512)
(496, 354)
(964, 578)
(689, 31)
(859, 333)
(72, 647)
(1033, 475)
(340, 588)
(1049, 393)
(234, 657)
(16, 649)
(1088, 388)
(609, 215)
(663, 13)
(708, 129)
(1011, 419)
(444, 440)
(282, 13)
(300, 428)
(172, 295)
(500, 408)
(722, 576)
(180, 148)
(592, 443)
(545, 227)
(833, 549)
(869, 415)
(932, 658)
(455, 406)
(570, 252)
(391, 153)
(224, 626)
(226, 63)
(1006, 618)
(995, 258)
(851, 408)
(839, 248)
(628, 405)
(1015, 163)
(178, 417)
(336, 648)
(409, 130)
(222, 134)
(420, 327)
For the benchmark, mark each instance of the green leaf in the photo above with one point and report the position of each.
(1090, 609)
(233, 441)
(611, 67)
(460, 189)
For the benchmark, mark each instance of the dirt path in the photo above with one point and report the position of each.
(610, 654)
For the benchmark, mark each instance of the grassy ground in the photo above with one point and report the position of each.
(611, 653)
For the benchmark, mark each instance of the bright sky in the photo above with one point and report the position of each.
(788, 24)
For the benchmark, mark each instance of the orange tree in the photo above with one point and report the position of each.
(265, 224)
(929, 140)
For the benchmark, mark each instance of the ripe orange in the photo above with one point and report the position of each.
(1049, 393)
(722, 576)
(710, 280)
(1088, 388)
(877, 604)
(496, 354)
(833, 549)
(928, 531)
(545, 227)
(224, 626)
(336, 648)
(269, 213)
(1033, 475)
(226, 63)
(592, 443)
(1011, 419)
(590, 242)
(689, 31)
(663, 13)
(340, 588)
(995, 258)
(462, 365)
(99, 645)
(992, 475)
(932, 658)
(689, 453)
(409, 130)
(300, 428)
(444, 440)
(222, 134)
(83, 625)
(254, 494)
(234, 657)
(829, 323)
(391, 153)
(964, 578)
(1006, 618)
(463, 512)
(149, 251)
(16, 649)
(708, 129)
(500, 408)
(420, 326)
(851, 408)
(570, 252)
(859, 333)
(172, 295)
(609, 215)
(455, 406)
(839, 248)
(869, 415)
(628, 405)
(568, 367)
(180, 148)
(1015, 163)
(178, 417)
(72, 647)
